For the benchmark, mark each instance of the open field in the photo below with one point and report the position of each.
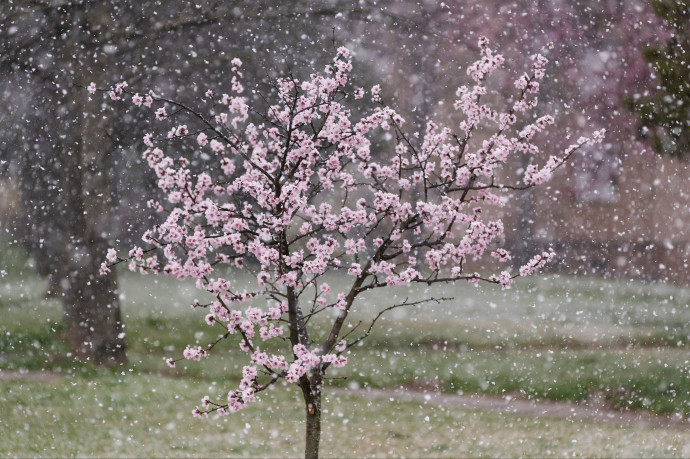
(624, 344)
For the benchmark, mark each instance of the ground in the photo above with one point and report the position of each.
(558, 366)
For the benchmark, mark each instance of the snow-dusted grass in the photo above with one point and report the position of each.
(548, 311)
(551, 337)
(142, 416)
(646, 378)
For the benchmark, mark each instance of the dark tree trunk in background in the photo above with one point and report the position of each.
(66, 192)
(92, 306)
(92, 310)
(82, 224)
(66, 169)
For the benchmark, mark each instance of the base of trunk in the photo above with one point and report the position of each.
(313, 433)
(92, 312)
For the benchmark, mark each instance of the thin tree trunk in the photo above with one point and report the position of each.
(313, 432)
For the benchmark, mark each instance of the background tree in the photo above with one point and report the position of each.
(599, 65)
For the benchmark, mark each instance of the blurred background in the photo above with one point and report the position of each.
(72, 184)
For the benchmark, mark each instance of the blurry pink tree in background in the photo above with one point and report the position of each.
(597, 66)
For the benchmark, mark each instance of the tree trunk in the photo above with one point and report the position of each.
(95, 332)
(95, 322)
(92, 309)
(66, 193)
(313, 433)
(66, 176)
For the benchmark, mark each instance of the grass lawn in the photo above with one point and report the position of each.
(146, 415)
(550, 337)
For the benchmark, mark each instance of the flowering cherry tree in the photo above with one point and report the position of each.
(304, 187)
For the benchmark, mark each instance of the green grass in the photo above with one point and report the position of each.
(575, 351)
(551, 337)
(652, 379)
(113, 415)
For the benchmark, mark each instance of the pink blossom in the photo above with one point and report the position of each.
(355, 270)
(217, 146)
(376, 93)
(343, 52)
(181, 131)
(194, 353)
(537, 262)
